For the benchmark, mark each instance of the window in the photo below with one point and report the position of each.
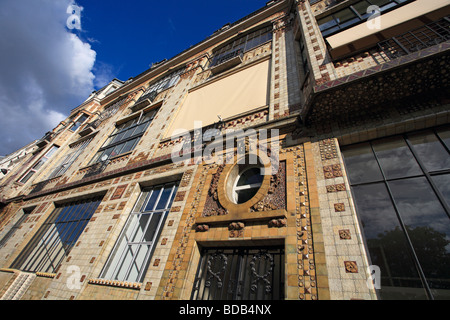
(355, 14)
(75, 151)
(402, 194)
(242, 45)
(79, 122)
(247, 184)
(134, 248)
(125, 137)
(304, 56)
(161, 85)
(240, 274)
(57, 236)
(38, 165)
(15, 227)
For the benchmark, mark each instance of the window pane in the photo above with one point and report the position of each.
(27, 177)
(395, 158)
(140, 228)
(387, 243)
(126, 262)
(361, 164)
(139, 236)
(326, 23)
(151, 202)
(380, 3)
(117, 137)
(132, 224)
(129, 145)
(344, 15)
(152, 227)
(245, 195)
(54, 240)
(361, 8)
(429, 230)
(443, 184)
(430, 151)
(162, 203)
(250, 176)
(39, 164)
(444, 134)
(128, 133)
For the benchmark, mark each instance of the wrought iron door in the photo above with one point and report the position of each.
(240, 274)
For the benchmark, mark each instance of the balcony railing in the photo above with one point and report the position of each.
(226, 61)
(416, 39)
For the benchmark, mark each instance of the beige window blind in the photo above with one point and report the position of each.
(234, 94)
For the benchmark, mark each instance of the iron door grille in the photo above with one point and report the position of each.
(240, 274)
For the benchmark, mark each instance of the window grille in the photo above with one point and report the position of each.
(241, 45)
(75, 151)
(125, 137)
(38, 165)
(240, 274)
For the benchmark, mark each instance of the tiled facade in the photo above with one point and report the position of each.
(307, 207)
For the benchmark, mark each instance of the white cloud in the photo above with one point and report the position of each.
(46, 70)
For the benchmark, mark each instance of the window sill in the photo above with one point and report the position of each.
(45, 274)
(116, 283)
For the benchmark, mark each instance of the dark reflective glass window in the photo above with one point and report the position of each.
(402, 194)
(391, 153)
(430, 150)
(387, 244)
(361, 160)
(57, 236)
(125, 137)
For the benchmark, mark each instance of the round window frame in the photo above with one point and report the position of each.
(234, 195)
(228, 179)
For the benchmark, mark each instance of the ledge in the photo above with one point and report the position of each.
(45, 274)
(116, 283)
(242, 216)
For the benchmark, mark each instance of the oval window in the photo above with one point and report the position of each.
(247, 184)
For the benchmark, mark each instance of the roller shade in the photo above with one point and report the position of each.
(234, 94)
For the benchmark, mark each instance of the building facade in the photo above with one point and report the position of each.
(300, 153)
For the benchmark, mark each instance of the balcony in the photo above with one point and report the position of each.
(45, 140)
(144, 101)
(407, 72)
(416, 39)
(227, 61)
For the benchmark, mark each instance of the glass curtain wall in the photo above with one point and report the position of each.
(401, 187)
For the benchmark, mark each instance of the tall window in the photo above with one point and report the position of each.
(57, 236)
(79, 122)
(125, 137)
(15, 227)
(242, 44)
(73, 154)
(401, 187)
(38, 165)
(132, 253)
(161, 85)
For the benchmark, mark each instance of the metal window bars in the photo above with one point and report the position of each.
(417, 39)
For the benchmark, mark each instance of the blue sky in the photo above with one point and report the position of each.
(48, 69)
(130, 35)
